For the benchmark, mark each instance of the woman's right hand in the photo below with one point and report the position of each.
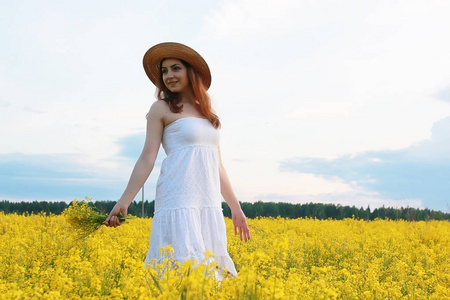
(240, 222)
(113, 218)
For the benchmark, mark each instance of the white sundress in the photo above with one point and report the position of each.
(188, 212)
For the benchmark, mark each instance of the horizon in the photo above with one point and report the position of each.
(139, 200)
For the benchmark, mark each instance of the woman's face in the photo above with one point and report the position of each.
(174, 75)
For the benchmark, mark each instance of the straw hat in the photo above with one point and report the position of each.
(157, 53)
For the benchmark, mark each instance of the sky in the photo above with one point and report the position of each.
(343, 102)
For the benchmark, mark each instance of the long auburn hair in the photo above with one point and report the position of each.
(202, 102)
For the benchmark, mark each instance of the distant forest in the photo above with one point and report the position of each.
(252, 210)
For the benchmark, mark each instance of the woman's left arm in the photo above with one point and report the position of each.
(237, 215)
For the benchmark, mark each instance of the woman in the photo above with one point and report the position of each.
(188, 213)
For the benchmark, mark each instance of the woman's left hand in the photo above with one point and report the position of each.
(113, 218)
(240, 221)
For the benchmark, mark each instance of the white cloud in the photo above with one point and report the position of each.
(362, 81)
(333, 80)
(252, 180)
(290, 79)
(419, 173)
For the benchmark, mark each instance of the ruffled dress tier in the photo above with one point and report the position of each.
(188, 211)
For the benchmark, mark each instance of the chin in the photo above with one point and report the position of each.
(177, 90)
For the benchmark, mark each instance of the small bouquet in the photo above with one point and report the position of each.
(84, 217)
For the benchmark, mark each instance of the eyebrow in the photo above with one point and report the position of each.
(171, 66)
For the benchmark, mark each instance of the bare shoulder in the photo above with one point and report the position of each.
(159, 106)
(158, 110)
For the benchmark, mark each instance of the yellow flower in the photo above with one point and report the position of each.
(42, 257)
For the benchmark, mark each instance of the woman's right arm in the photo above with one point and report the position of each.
(144, 164)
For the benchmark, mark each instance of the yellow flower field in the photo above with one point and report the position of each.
(42, 257)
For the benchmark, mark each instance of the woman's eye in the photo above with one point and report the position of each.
(164, 71)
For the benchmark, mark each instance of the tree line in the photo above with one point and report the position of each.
(252, 210)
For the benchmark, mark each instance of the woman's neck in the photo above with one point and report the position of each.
(186, 97)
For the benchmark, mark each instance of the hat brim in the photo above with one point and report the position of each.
(154, 56)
